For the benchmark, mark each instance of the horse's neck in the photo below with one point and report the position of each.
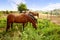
(32, 16)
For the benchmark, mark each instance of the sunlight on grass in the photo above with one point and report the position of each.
(46, 31)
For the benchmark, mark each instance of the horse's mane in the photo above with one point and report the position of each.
(32, 17)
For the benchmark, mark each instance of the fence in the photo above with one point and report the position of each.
(52, 17)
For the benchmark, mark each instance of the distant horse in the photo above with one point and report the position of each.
(21, 18)
(34, 14)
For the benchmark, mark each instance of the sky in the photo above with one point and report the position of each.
(31, 4)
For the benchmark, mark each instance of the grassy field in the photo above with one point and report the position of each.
(46, 31)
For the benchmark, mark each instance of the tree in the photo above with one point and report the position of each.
(7, 12)
(11, 11)
(22, 7)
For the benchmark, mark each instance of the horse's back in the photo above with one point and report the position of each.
(17, 18)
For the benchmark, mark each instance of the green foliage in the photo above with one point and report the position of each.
(45, 12)
(11, 11)
(46, 31)
(7, 12)
(22, 7)
(1, 13)
(2, 22)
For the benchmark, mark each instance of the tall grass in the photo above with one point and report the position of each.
(46, 30)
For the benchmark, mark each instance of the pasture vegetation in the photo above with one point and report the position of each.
(46, 31)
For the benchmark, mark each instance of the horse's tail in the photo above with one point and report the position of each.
(8, 25)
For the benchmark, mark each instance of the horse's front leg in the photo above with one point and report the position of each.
(23, 25)
(11, 25)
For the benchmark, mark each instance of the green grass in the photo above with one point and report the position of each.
(3, 22)
(46, 30)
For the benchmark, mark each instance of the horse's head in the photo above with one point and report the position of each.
(33, 20)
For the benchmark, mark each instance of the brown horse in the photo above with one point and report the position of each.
(21, 18)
